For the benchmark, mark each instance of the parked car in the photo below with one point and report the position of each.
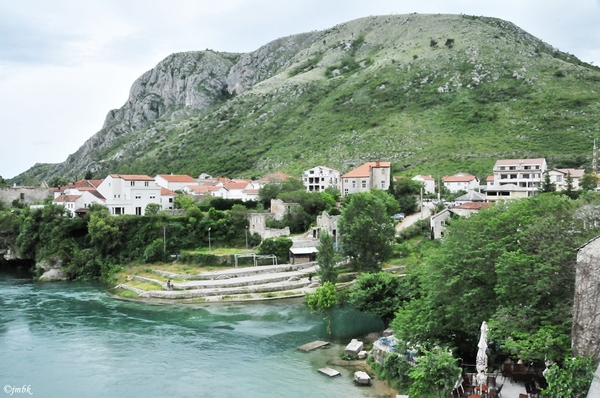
(398, 216)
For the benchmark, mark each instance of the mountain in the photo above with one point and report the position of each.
(433, 94)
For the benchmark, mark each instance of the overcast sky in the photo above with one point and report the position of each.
(65, 63)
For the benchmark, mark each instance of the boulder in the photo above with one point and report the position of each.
(354, 347)
(362, 378)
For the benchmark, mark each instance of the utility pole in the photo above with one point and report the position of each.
(165, 242)
(246, 237)
(209, 248)
(595, 159)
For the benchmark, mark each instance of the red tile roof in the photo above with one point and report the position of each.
(67, 198)
(365, 169)
(575, 173)
(133, 177)
(167, 192)
(429, 178)
(235, 185)
(460, 177)
(472, 205)
(489, 178)
(177, 178)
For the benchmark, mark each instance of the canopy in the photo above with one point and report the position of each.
(482, 359)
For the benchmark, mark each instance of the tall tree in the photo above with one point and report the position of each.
(326, 259)
(366, 231)
(547, 185)
(589, 182)
(323, 300)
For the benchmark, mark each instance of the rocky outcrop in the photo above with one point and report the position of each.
(52, 271)
(586, 319)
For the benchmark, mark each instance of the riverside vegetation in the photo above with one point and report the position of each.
(431, 93)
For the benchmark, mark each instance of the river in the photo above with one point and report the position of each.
(74, 340)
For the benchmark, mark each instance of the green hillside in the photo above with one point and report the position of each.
(433, 94)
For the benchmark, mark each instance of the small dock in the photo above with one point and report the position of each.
(329, 372)
(313, 346)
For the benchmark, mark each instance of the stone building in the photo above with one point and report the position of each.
(585, 334)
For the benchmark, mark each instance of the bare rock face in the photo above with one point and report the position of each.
(53, 271)
(586, 321)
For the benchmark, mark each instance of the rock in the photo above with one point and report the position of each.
(354, 347)
(53, 270)
(362, 378)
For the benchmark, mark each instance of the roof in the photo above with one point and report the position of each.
(251, 191)
(277, 176)
(67, 198)
(489, 178)
(575, 173)
(423, 177)
(472, 206)
(132, 177)
(177, 178)
(167, 192)
(304, 250)
(471, 196)
(203, 188)
(512, 162)
(459, 177)
(365, 169)
(235, 185)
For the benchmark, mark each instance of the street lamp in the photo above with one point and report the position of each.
(209, 248)
(246, 237)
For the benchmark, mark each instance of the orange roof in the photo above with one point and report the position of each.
(67, 198)
(133, 177)
(251, 191)
(277, 176)
(365, 169)
(472, 205)
(167, 192)
(177, 178)
(460, 177)
(235, 185)
(489, 178)
(201, 189)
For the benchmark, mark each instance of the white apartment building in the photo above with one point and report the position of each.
(175, 182)
(516, 178)
(427, 181)
(461, 182)
(367, 176)
(129, 194)
(320, 178)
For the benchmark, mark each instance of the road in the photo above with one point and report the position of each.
(413, 218)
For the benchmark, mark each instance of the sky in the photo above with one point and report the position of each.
(65, 63)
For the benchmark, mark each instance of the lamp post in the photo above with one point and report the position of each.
(246, 237)
(164, 242)
(209, 248)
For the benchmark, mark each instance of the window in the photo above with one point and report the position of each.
(132, 183)
(525, 175)
(559, 178)
(138, 196)
(353, 184)
(22, 196)
(512, 168)
(501, 167)
(170, 200)
(311, 172)
(146, 184)
(346, 191)
(382, 184)
(364, 184)
(152, 196)
(138, 211)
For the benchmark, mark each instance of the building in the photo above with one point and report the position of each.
(363, 178)
(129, 194)
(460, 182)
(427, 181)
(175, 182)
(320, 178)
(559, 177)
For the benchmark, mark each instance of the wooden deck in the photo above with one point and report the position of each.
(329, 372)
(313, 346)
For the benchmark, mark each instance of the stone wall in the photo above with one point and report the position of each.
(586, 322)
(24, 194)
(279, 208)
(258, 224)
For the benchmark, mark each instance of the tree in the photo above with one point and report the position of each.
(406, 192)
(366, 231)
(569, 191)
(435, 372)
(152, 209)
(278, 246)
(184, 202)
(88, 175)
(380, 294)
(589, 182)
(547, 186)
(572, 379)
(323, 300)
(326, 259)
(484, 270)
(2, 182)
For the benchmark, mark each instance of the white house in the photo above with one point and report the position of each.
(559, 178)
(78, 201)
(460, 182)
(175, 182)
(427, 181)
(367, 176)
(167, 198)
(129, 194)
(320, 178)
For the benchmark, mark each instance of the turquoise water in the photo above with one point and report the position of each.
(74, 340)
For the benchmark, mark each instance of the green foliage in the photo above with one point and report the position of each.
(154, 252)
(366, 231)
(396, 371)
(326, 259)
(152, 209)
(380, 294)
(434, 373)
(323, 300)
(406, 192)
(547, 186)
(512, 265)
(278, 246)
(2, 182)
(184, 202)
(589, 182)
(254, 240)
(570, 380)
